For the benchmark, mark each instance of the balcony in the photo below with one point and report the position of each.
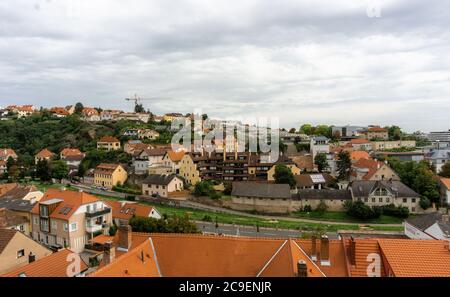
(96, 213)
(94, 228)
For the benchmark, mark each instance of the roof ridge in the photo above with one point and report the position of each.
(271, 259)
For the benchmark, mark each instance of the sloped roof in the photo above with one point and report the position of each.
(71, 152)
(359, 141)
(159, 179)
(54, 265)
(127, 210)
(7, 152)
(19, 192)
(16, 204)
(108, 139)
(445, 182)
(362, 188)
(106, 168)
(11, 219)
(5, 237)
(323, 194)
(176, 156)
(70, 202)
(4, 188)
(45, 153)
(425, 221)
(356, 155)
(311, 179)
(261, 190)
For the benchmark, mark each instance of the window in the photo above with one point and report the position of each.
(66, 227)
(380, 199)
(388, 200)
(20, 253)
(413, 200)
(405, 200)
(365, 199)
(373, 200)
(73, 227)
(36, 221)
(53, 224)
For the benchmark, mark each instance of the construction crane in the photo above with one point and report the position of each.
(137, 100)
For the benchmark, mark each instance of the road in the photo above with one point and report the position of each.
(251, 231)
(199, 206)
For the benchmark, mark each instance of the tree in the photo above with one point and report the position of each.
(139, 108)
(321, 161)
(360, 210)
(344, 164)
(79, 108)
(292, 130)
(59, 169)
(173, 224)
(228, 187)
(323, 130)
(43, 170)
(425, 203)
(445, 170)
(306, 129)
(284, 175)
(395, 132)
(13, 173)
(203, 188)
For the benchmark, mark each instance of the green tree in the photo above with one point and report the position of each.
(59, 169)
(203, 188)
(292, 130)
(344, 165)
(395, 132)
(79, 108)
(13, 173)
(445, 170)
(321, 161)
(43, 170)
(173, 224)
(306, 129)
(284, 175)
(139, 108)
(323, 130)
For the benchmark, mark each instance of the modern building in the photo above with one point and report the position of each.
(68, 219)
(18, 250)
(109, 175)
(440, 136)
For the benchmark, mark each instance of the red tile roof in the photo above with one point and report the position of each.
(54, 265)
(45, 153)
(108, 139)
(126, 211)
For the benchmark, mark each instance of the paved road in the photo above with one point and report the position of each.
(199, 206)
(251, 231)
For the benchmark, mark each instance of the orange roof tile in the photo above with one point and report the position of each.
(54, 265)
(371, 164)
(126, 211)
(356, 155)
(71, 152)
(359, 141)
(70, 199)
(5, 188)
(416, 258)
(176, 156)
(108, 139)
(376, 129)
(102, 239)
(45, 153)
(445, 182)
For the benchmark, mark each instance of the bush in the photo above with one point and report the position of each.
(425, 203)
(130, 198)
(307, 208)
(322, 207)
(172, 224)
(228, 188)
(207, 218)
(361, 211)
(214, 195)
(396, 211)
(203, 188)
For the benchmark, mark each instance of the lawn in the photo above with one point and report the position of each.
(343, 217)
(224, 218)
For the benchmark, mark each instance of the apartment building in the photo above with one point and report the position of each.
(109, 175)
(68, 219)
(394, 144)
(109, 143)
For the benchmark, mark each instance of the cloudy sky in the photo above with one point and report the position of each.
(331, 62)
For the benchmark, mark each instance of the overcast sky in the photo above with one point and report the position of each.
(314, 61)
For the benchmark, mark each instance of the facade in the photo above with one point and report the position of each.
(90, 114)
(6, 153)
(394, 144)
(189, 170)
(21, 209)
(375, 133)
(72, 157)
(147, 158)
(404, 156)
(370, 169)
(428, 226)
(11, 220)
(45, 154)
(54, 265)
(132, 116)
(444, 184)
(147, 134)
(17, 250)
(172, 159)
(380, 193)
(319, 145)
(170, 117)
(108, 143)
(109, 175)
(441, 136)
(162, 185)
(68, 219)
(3, 167)
(438, 158)
(360, 144)
(314, 181)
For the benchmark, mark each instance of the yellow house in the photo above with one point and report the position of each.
(271, 172)
(188, 170)
(108, 143)
(170, 117)
(109, 175)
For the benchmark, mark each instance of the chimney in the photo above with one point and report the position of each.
(109, 253)
(31, 258)
(302, 269)
(313, 248)
(324, 251)
(124, 237)
(352, 251)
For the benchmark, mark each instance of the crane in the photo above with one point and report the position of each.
(137, 100)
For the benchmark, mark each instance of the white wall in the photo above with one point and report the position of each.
(414, 233)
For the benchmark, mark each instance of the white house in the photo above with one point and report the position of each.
(319, 145)
(428, 226)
